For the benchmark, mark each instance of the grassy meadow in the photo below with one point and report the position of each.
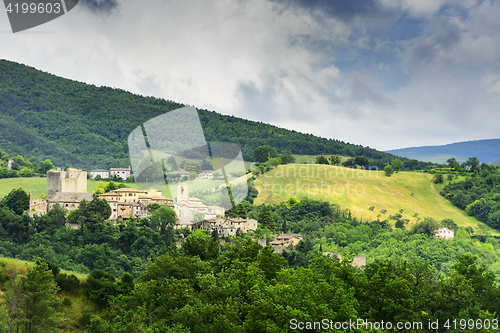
(365, 193)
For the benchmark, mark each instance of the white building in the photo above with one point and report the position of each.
(445, 233)
(206, 174)
(99, 172)
(124, 173)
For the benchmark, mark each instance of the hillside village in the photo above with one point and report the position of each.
(67, 188)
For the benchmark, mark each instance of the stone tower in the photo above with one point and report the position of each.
(182, 192)
(69, 181)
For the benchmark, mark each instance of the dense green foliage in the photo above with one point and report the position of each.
(17, 201)
(244, 287)
(478, 194)
(22, 167)
(31, 303)
(45, 116)
(336, 230)
(240, 286)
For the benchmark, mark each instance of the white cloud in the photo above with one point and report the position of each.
(302, 69)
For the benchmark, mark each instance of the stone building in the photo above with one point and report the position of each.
(187, 207)
(67, 188)
(227, 226)
(287, 240)
(69, 181)
(129, 202)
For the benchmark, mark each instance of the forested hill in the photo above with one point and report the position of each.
(487, 151)
(45, 116)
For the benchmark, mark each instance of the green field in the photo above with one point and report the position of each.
(34, 185)
(38, 185)
(359, 190)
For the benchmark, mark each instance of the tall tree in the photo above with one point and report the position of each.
(397, 164)
(362, 161)
(388, 170)
(472, 163)
(163, 219)
(266, 218)
(334, 159)
(17, 201)
(321, 160)
(40, 299)
(263, 153)
(287, 157)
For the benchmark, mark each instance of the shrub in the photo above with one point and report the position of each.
(68, 283)
(67, 302)
(438, 178)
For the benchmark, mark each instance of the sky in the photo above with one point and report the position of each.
(380, 73)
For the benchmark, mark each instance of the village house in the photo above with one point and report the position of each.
(285, 241)
(445, 233)
(123, 173)
(99, 172)
(227, 226)
(206, 174)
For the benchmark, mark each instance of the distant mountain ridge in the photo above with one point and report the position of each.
(69, 122)
(487, 151)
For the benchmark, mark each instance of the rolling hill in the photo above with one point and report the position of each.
(69, 122)
(487, 151)
(359, 190)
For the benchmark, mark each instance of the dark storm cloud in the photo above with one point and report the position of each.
(437, 43)
(100, 6)
(342, 9)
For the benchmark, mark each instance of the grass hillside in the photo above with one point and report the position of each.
(359, 190)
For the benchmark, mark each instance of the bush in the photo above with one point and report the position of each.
(68, 283)
(100, 287)
(67, 302)
(438, 178)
